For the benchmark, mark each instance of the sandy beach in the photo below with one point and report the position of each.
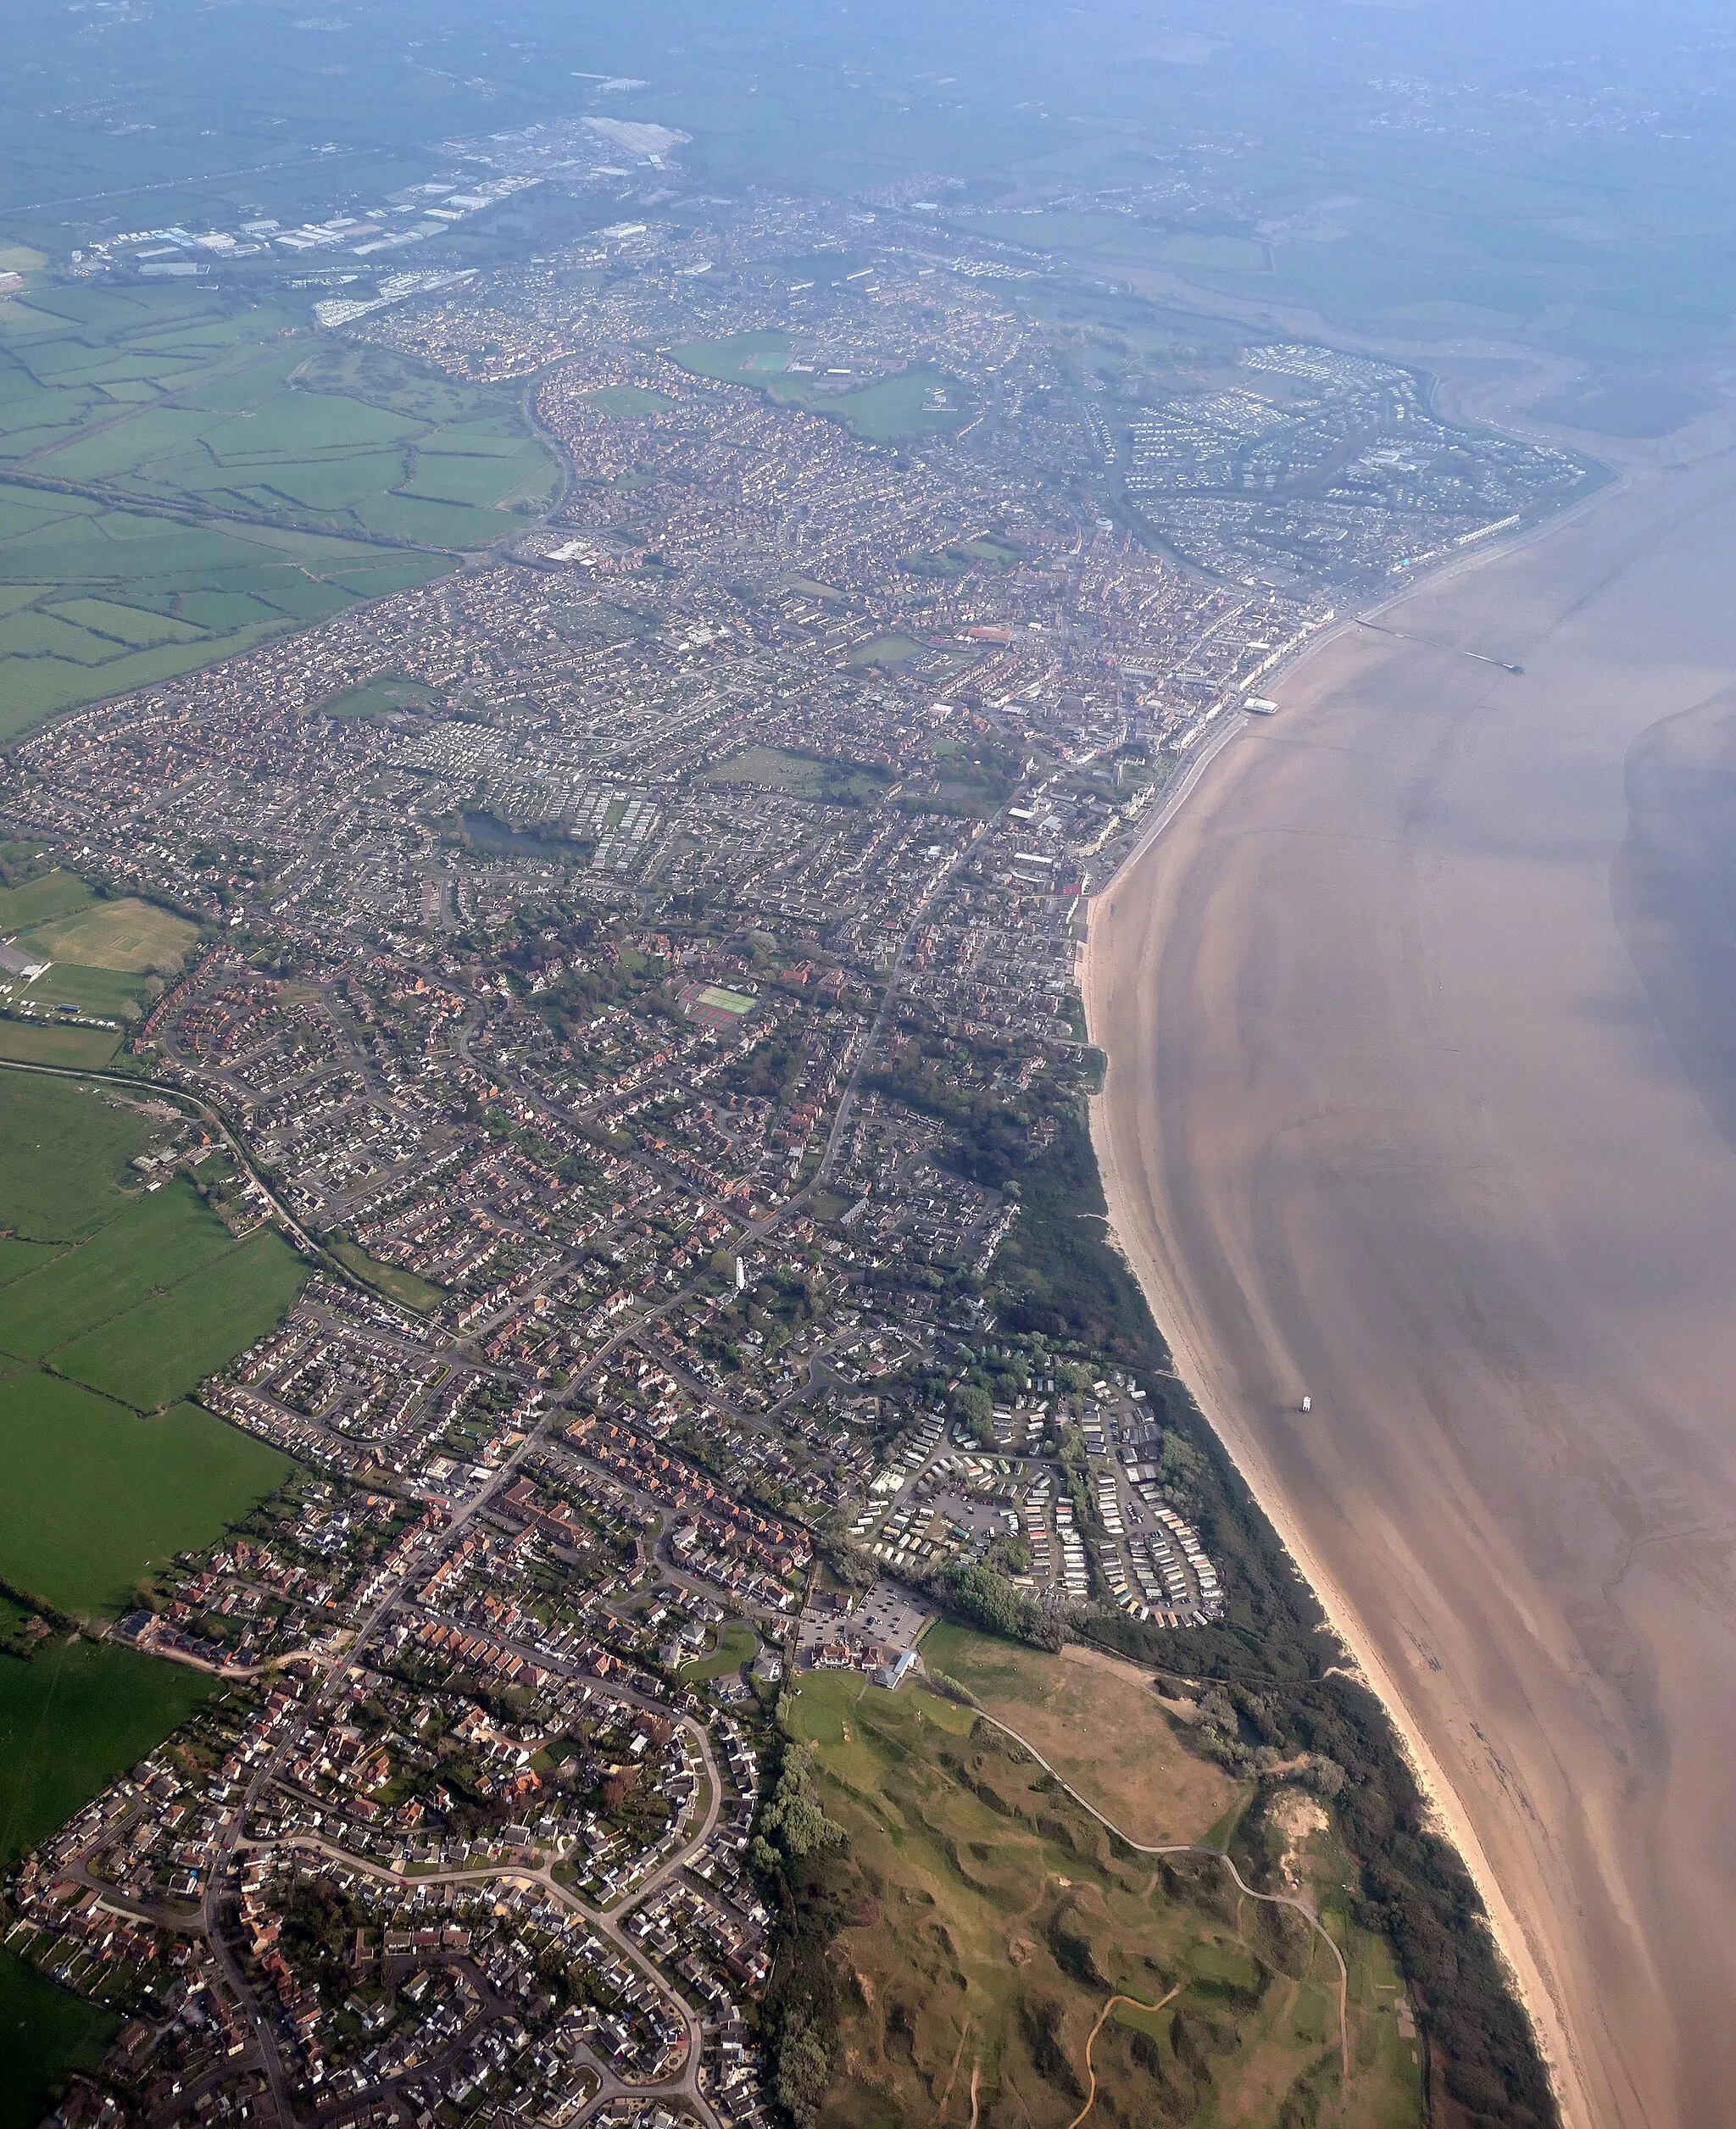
(1421, 1022)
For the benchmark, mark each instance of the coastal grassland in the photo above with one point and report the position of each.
(1098, 1724)
(72, 1718)
(97, 1497)
(64, 1150)
(184, 473)
(1282, 1673)
(985, 1922)
(392, 1280)
(884, 410)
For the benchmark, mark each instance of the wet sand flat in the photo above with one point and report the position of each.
(1422, 1024)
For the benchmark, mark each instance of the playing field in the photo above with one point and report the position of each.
(126, 935)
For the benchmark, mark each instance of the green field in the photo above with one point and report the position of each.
(179, 479)
(54, 894)
(803, 775)
(392, 1280)
(63, 1148)
(97, 1498)
(79, 1050)
(153, 1301)
(885, 650)
(627, 403)
(884, 411)
(71, 1719)
(113, 1306)
(736, 1644)
(102, 954)
(44, 2032)
(163, 1349)
(382, 698)
(989, 1922)
(148, 1244)
(126, 935)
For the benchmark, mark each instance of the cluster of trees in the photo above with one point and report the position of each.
(792, 1824)
(799, 1853)
(983, 1598)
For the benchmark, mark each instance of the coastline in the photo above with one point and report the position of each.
(1143, 903)
(1246, 1452)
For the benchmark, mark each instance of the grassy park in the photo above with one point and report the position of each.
(881, 410)
(391, 1280)
(736, 1644)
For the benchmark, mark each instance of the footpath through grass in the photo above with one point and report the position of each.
(989, 1921)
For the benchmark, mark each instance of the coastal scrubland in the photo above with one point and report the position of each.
(998, 1956)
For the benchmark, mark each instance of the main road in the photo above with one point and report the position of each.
(1421, 1022)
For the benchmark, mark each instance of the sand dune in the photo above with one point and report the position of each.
(1422, 1062)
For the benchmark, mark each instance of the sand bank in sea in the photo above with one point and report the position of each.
(1415, 1103)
